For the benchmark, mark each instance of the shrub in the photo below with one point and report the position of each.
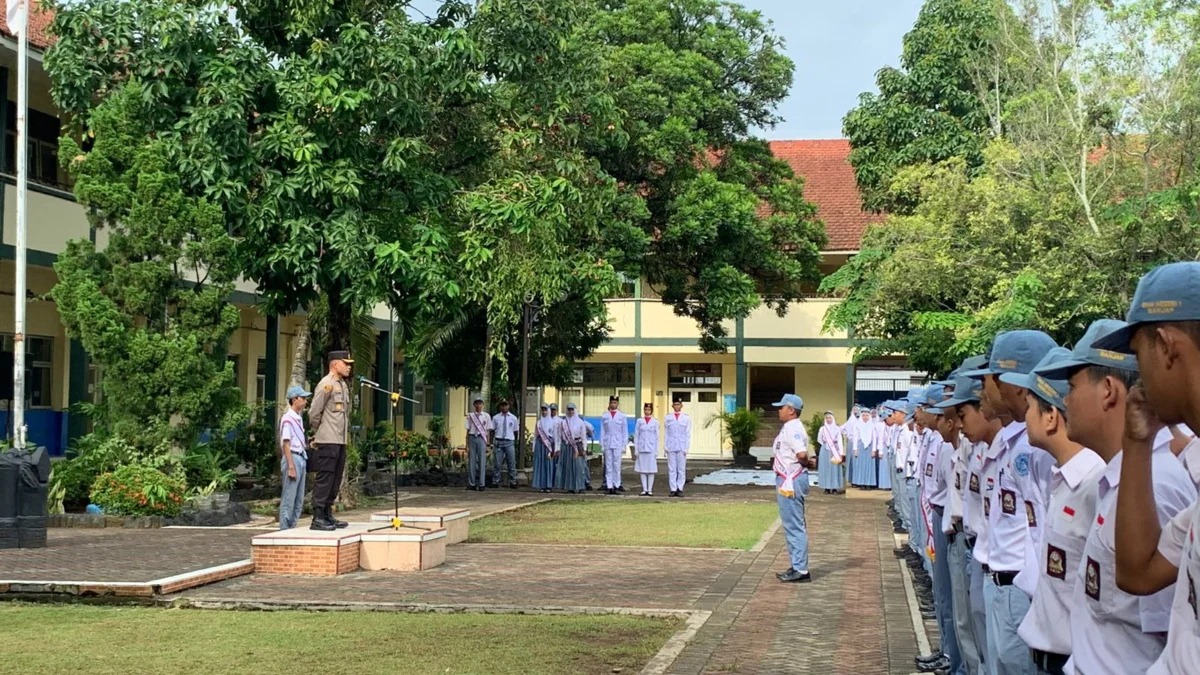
(740, 427)
(814, 425)
(139, 489)
(208, 465)
(92, 456)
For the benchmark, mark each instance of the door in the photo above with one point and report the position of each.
(701, 405)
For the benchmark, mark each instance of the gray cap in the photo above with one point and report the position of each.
(792, 401)
(554, 406)
(570, 406)
(1166, 293)
(1016, 351)
(1086, 354)
(934, 394)
(1051, 389)
(297, 392)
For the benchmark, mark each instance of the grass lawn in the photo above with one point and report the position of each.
(630, 523)
(90, 639)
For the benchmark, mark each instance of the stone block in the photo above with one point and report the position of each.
(456, 522)
(406, 549)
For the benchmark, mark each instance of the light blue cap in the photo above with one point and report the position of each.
(297, 392)
(1051, 389)
(934, 394)
(1016, 351)
(791, 400)
(1167, 293)
(915, 395)
(949, 381)
(1086, 354)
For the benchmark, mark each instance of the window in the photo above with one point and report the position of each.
(39, 368)
(628, 286)
(260, 380)
(707, 396)
(425, 393)
(42, 147)
(532, 401)
(694, 375)
(598, 381)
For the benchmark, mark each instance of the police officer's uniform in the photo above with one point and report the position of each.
(330, 419)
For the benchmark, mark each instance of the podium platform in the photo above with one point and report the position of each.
(368, 546)
(455, 521)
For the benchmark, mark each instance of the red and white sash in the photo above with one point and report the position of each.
(478, 425)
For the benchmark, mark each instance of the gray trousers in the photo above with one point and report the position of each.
(964, 627)
(503, 452)
(978, 615)
(1007, 653)
(291, 505)
(476, 461)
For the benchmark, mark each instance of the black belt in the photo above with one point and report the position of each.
(1003, 578)
(1049, 662)
(971, 542)
(957, 524)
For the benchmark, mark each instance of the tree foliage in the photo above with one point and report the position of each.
(151, 308)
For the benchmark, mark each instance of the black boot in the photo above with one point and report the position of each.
(330, 517)
(319, 522)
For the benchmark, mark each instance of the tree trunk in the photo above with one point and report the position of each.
(299, 376)
(485, 388)
(338, 320)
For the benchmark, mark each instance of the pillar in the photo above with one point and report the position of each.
(77, 364)
(383, 374)
(271, 386)
(743, 386)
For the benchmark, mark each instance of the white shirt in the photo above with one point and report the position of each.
(850, 428)
(614, 430)
(943, 463)
(1047, 625)
(973, 489)
(1180, 543)
(645, 435)
(992, 461)
(1018, 501)
(549, 429)
(505, 426)
(830, 438)
(679, 432)
(1113, 632)
(1190, 458)
(932, 444)
(906, 458)
(478, 423)
(576, 429)
(291, 429)
(792, 440)
(957, 481)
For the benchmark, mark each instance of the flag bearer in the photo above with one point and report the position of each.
(645, 446)
(678, 442)
(614, 438)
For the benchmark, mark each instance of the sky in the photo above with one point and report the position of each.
(837, 47)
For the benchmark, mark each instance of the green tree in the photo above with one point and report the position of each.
(936, 105)
(151, 307)
(725, 224)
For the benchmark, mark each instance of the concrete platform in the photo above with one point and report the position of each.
(406, 549)
(455, 521)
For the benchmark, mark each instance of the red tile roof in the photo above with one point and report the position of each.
(829, 183)
(39, 26)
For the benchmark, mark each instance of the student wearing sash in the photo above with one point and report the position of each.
(478, 423)
(645, 437)
(614, 437)
(791, 486)
(572, 461)
(546, 435)
(829, 475)
(850, 431)
(504, 430)
(678, 441)
(293, 461)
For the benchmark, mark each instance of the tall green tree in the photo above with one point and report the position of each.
(940, 103)
(726, 226)
(151, 308)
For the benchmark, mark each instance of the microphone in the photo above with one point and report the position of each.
(369, 383)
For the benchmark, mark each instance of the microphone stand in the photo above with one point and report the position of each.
(395, 399)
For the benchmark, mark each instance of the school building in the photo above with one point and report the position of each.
(652, 355)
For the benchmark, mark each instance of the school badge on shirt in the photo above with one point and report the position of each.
(1008, 502)
(1091, 580)
(973, 484)
(1056, 562)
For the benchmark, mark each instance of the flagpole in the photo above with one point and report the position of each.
(22, 153)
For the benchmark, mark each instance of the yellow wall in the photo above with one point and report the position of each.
(52, 221)
(823, 387)
(802, 320)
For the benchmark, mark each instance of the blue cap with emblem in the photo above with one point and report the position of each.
(1016, 351)
(1085, 353)
(1167, 293)
(792, 401)
(1045, 383)
(966, 389)
(934, 394)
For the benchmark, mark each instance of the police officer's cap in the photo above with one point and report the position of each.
(341, 355)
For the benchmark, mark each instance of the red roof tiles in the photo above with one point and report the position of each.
(39, 26)
(829, 183)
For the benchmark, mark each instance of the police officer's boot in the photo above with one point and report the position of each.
(332, 519)
(320, 521)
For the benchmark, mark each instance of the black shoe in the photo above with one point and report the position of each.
(679, 493)
(899, 530)
(588, 488)
(780, 575)
(900, 553)
(320, 522)
(512, 485)
(620, 488)
(935, 666)
(479, 489)
(611, 491)
(928, 615)
(931, 658)
(795, 577)
(470, 488)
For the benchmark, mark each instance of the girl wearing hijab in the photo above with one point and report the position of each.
(864, 460)
(850, 429)
(829, 476)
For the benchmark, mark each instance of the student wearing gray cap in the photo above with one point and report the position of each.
(1164, 334)
(293, 460)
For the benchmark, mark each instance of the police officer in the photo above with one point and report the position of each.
(1164, 333)
(330, 420)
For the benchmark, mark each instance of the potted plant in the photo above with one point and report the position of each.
(741, 428)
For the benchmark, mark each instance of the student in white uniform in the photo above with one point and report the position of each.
(504, 432)
(791, 486)
(1072, 507)
(1114, 632)
(1020, 490)
(478, 425)
(1164, 333)
(645, 447)
(677, 443)
(614, 438)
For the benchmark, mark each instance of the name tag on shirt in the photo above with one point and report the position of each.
(973, 484)
(1056, 562)
(1030, 514)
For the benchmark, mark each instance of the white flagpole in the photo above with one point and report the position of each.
(22, 153)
